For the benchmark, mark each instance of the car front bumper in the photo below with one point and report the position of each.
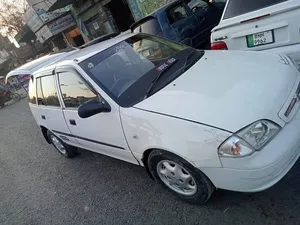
(264, 168)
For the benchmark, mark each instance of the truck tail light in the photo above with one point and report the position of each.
(221, 45)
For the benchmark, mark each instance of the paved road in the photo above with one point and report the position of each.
(38, 186)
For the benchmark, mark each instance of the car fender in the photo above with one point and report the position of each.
(195, 142)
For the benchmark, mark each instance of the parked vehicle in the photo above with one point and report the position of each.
(188, 22)
(196, 120)
(6, 95)
(99, 39)
(261, 25)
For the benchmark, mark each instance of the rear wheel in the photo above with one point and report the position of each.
(64, 149)
(15, 96)
(180, 177)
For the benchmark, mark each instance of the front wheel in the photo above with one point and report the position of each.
(64, 149)
(180, 177)
(15, 96)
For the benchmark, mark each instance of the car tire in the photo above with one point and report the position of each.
(63, 148)
(15, 96)
(180, 177)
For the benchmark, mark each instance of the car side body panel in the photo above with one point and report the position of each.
(197, 143)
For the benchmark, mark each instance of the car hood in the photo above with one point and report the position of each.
(228, 90)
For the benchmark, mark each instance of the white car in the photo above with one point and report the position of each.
(259, 25)
(196, 120)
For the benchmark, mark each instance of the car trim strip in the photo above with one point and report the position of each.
(192, 121)
(90, 140)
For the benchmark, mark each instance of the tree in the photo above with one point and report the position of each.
(11, 22)
(11, 16)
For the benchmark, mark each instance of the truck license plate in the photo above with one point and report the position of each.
(261, 38)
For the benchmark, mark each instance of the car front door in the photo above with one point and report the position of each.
(48, 111)
(101, 133)
(208, 16)
(182, 22)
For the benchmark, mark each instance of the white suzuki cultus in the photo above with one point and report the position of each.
(196, 120)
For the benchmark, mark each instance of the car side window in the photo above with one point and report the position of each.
(74, 90)
(49, 91)
(177, 13)
(40, 96)
(198, 5)
(32, 91)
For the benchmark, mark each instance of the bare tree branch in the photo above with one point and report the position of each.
(11, 16)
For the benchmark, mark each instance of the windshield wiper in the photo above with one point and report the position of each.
(148, 92)
(184, 67)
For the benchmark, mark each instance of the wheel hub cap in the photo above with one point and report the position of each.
(176, 177)
(57, 143)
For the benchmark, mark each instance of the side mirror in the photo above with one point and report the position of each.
(93, 107)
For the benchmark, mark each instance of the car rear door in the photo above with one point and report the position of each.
(259, 24)
(182, 22)
(101, 133)
(48, 111)
(208, 16)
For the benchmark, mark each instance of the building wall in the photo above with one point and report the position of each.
(92, 17)
(47, 25)
(48, 3)
(141, 8)
(92, 20)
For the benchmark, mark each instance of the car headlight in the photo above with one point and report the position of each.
(250, 139)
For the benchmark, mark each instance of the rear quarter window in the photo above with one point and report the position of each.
(46, 91)
(239, 7)
(49, 91)
(32, 91)
(40, 96)
(151, 26)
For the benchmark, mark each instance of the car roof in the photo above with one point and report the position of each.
(37, 64)
(85, 53)
(100, 39)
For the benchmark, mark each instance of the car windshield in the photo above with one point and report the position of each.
(126, 70)
(237, 7)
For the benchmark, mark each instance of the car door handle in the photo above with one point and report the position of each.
(73, 122)
(43, 117)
